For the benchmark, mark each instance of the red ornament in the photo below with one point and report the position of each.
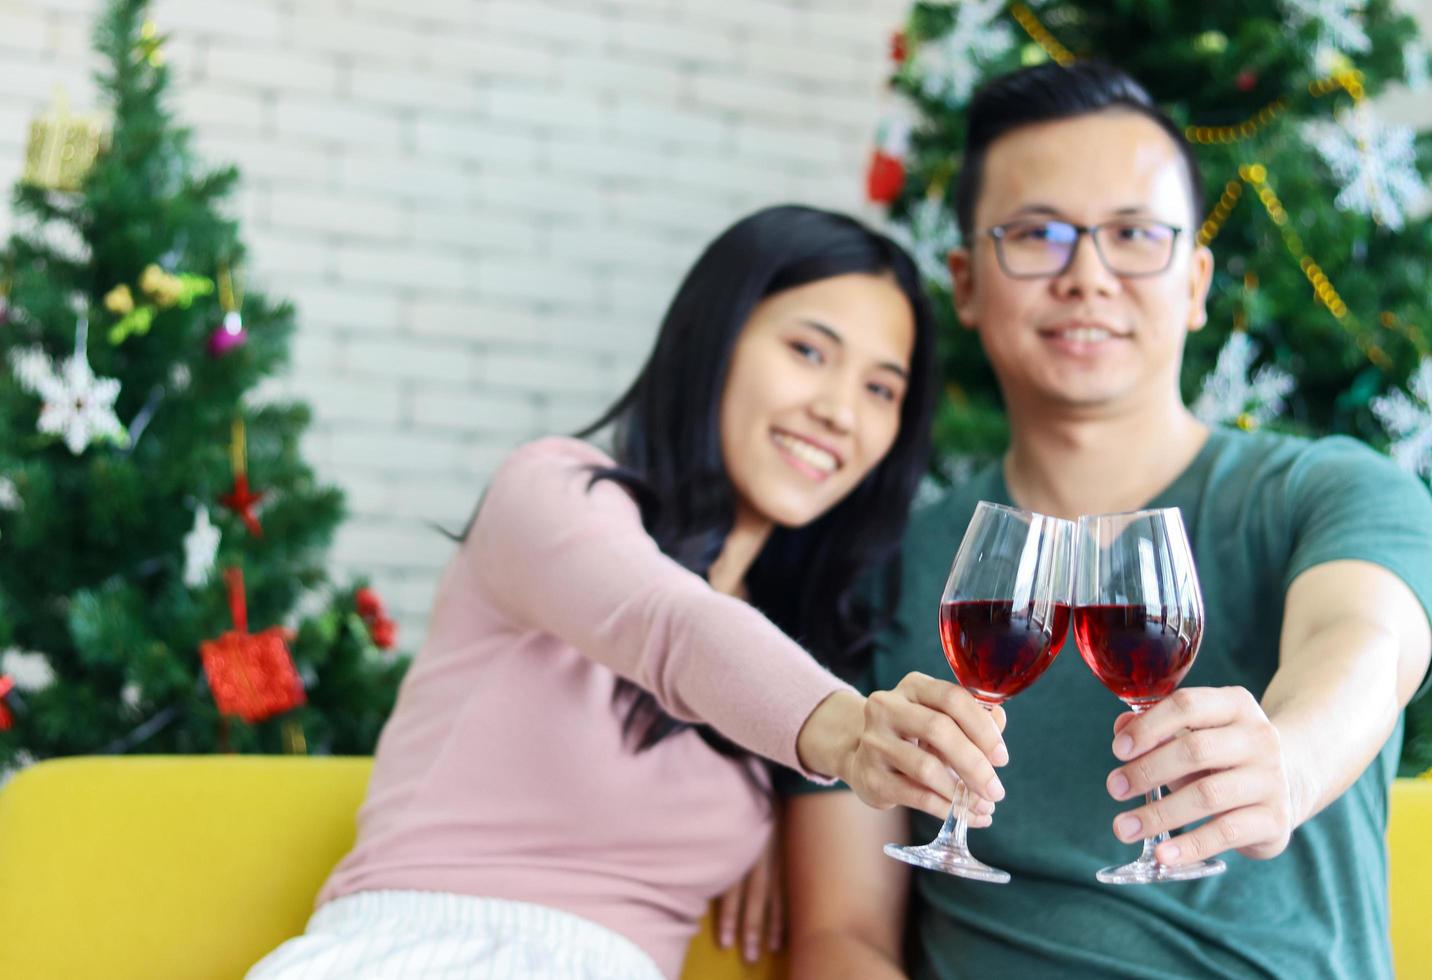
(368, 603)
(250, 674)
(241, 500)
(884, 178)
(1246, 80)
(897, 47)
(7, 718)
(383, 630)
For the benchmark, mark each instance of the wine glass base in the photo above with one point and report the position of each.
(936, 857)
(1152, 872)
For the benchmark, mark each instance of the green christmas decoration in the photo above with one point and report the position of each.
(118, 475)
(1320, 318)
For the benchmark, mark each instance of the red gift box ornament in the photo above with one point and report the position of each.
(7, 719)
(251, 675)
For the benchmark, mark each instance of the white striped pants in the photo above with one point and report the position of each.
(393, 935)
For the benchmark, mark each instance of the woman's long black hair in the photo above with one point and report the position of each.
(814, 582)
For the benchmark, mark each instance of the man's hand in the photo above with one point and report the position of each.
(1223, 759)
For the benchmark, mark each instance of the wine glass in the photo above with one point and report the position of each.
(1138, 620)
(1003, 617)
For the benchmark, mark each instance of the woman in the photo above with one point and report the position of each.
(568, 775)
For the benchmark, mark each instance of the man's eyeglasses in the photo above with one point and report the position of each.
(1039, 248)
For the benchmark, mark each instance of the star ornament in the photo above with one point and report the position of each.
(242, 500)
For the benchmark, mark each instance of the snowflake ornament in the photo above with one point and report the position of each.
(949, 66)
(31, 367)
(1230, 395)
(78, 406)
(201, 544)
(1339, 23)
(1375, 162)
(930, 233)
(1409, 421)
(30, 669)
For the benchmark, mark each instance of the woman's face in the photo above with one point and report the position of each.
(812, 400)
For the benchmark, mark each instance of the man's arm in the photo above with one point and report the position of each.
(1354, 649)
(846, 899)
(1354, 635)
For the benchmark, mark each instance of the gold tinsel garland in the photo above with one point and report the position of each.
(1039, 34)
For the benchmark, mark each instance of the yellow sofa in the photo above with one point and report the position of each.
(194, 867)
(187, 867)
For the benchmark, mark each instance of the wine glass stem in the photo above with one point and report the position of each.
(1151, 797)
(955, 831)
(957, 825)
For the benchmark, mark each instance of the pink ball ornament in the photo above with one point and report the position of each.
(227, 336)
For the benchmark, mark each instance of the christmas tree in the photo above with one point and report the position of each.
(1320, 313)
(159, 531)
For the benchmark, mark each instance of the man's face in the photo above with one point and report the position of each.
(1085, 338)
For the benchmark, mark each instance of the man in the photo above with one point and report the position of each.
(1078, 203)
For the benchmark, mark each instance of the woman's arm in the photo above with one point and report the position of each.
(554, 552)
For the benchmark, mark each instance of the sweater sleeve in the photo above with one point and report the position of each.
(555, 552)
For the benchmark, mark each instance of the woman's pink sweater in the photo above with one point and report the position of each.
(503, 770)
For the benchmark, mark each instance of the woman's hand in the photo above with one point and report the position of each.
(910, 746)
(754, 906)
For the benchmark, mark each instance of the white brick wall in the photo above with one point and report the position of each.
(480, 207)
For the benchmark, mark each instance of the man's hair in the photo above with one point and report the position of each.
(1050, 92)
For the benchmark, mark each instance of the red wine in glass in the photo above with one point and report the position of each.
(1003, 617)
(1138, 621)
(997, 652)
(1139, 653)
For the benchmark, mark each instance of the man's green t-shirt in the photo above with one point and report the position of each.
(1260, 509)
